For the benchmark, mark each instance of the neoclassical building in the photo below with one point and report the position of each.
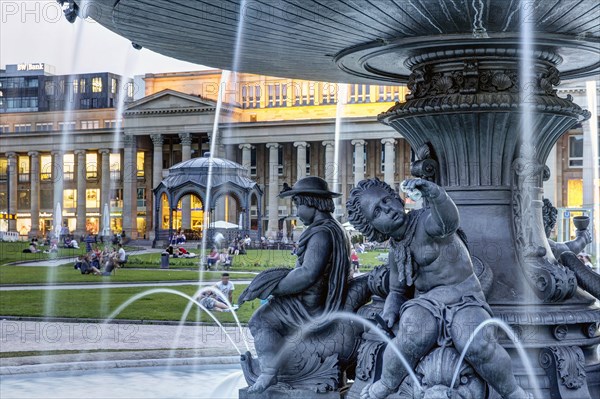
(279, 129)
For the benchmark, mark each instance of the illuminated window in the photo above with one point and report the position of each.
(115, 166)
(44, 127)
(69, 167)
(111, 123)
(82, 85)
(70, 199)
(3, 168)
(97, 85)
(113, 85)
(251, 96)
(304, 93)
(92, 198)
(576, 151)
(91, 166)
(360, 94)
(75, 86)
(86, 125)
(389, 93)
(22, 127)
(130, 90)
(46, 167)
(141, 197)
(574, 193)
(140, 164)
(329, 93)
(66, 125)
(23, 168)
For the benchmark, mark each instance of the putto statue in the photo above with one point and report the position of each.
(316, 287)
(428, 251)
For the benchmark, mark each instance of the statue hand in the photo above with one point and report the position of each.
(427, 188)
(390, 317)
(585, 234)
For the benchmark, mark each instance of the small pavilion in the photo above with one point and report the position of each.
(215, 176)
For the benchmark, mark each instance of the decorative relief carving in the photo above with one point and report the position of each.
(564, 365)
(551, 281)
(423, 82)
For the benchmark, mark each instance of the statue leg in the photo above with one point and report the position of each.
(418, 333)
(488, 358)
(268, 336)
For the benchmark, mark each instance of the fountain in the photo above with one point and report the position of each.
(483, 112)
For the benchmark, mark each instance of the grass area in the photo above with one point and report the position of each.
(99, 303)
(13, 252)
(254, 260)
(66, 274)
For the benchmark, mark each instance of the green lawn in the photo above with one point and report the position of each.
(66, 274)
(88, 304)
(13, 252)
(254, 260)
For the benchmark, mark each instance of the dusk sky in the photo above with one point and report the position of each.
(36, 31)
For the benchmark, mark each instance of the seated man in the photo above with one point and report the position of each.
(448, 296)
(226, 287)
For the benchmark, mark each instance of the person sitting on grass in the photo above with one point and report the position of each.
(225, 258)
(85, 267)
(213, 258)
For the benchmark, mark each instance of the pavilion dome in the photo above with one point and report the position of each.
(196, 170)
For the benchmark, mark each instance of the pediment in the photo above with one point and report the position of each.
(170, 100)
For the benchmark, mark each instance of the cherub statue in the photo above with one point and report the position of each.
(427, 253)
(316, 287)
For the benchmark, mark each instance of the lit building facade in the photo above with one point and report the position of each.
(280, 129)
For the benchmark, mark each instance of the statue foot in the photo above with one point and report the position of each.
(519, 393)
(262, 383)
(376, 390)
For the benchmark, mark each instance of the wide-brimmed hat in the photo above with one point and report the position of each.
(311, 185)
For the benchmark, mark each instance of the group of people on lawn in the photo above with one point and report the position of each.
(103, 262)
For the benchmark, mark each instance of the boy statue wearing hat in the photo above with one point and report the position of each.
(316, 286)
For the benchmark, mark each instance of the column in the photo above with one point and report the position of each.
(273, 226)
(246, 155)
(389, 163)
(359, 160)
(34, 179)
(330, 167)
(12, 189)
(157, 159)
(58, 182)
(81, 197)
(104, 185)
(186, 154)
(130, 187)
(301, 158)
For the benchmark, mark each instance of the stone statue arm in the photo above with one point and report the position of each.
(582, 239)
(443, 218)
(396, 296)
(316, 258)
